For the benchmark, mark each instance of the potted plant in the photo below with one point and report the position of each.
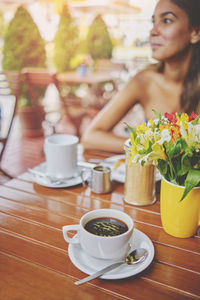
(172, 143)
(66, 41)
(98, 41)
(24, 47)
(31, 114)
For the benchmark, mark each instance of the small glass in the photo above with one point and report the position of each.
(140, 187)
(99, 179)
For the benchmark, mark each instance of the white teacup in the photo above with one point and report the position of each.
(61, 155)
(103, 247)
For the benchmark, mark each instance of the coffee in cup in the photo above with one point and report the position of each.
(102, 233)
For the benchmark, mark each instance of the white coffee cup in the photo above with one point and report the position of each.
(103, 247)
(61, 155)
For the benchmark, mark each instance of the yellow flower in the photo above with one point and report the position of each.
(143, 142)
(162, 138)
(132, 140)
(191, 135)
(183, 119)
(141, 128)
(133, 147)
(162, 127)
(151, 124)
(157, 152)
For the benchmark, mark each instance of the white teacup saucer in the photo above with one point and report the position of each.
(63, 183)
(90, 265)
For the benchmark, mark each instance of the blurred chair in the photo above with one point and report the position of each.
(74, 108)
(70, 107)
(10, 88)
(36, 79)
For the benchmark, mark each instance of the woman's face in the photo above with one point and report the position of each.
(171, 33)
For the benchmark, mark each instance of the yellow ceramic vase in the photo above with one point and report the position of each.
(179, 218)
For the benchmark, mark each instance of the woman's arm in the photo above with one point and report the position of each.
(99, 134)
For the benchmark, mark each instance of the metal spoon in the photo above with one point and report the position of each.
(54, 180)
(50, 179)
(135, 257)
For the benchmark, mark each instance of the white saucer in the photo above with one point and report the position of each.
(90, 265)
(119, 174)
(45, 182)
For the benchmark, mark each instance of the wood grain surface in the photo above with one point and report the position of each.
(34, 261)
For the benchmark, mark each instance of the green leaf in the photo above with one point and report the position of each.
(131, 130)
(190, 151)
(173, 150)
(192, 180)
(196, 162)
(183, 165)
(162, 166)
(176, 148)
(158, 115)
(146, 151)
(196, 120)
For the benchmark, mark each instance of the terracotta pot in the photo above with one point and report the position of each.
(31, 118)
(179, 218)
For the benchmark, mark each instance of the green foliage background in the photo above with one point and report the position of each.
(66, 41)
(23, 44)
(98, 40)
(2, 24)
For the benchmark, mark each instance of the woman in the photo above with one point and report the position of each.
(172, 85)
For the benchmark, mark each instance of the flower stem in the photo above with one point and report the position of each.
(172, 170)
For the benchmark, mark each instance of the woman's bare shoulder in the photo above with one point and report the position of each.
(146, 75)
(142, 81)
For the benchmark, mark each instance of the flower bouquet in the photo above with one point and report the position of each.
(172, 143)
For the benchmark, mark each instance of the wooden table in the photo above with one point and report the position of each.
(89, 78)
(92, 79)
(34, 261)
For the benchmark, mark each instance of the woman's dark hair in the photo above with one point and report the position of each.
(190, 98)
